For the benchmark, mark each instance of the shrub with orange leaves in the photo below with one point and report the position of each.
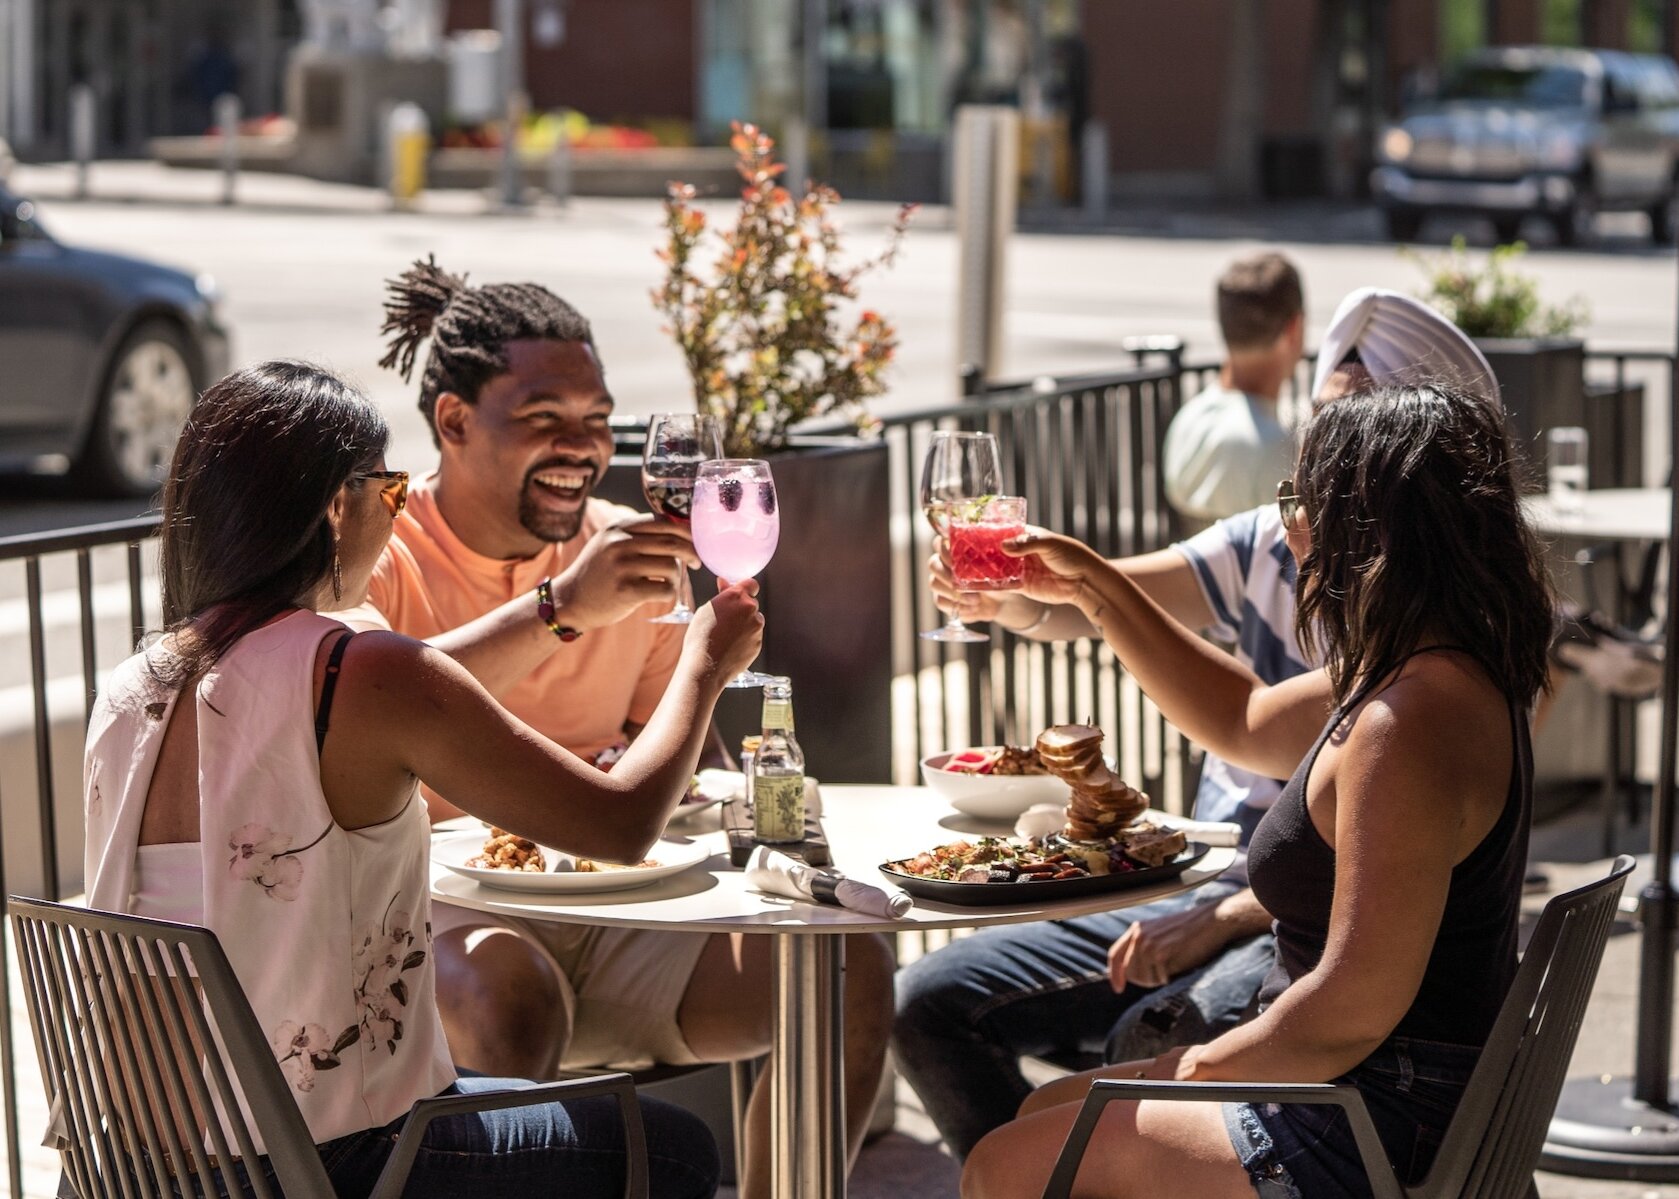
(761, 324)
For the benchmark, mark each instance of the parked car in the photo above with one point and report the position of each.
(1516, 131)
(101, 357)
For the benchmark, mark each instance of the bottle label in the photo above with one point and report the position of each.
(778, 808)
(778, 714)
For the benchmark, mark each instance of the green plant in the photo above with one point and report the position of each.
(1493, 299)
(761, 331)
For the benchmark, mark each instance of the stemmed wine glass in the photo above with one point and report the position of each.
(737, 523)
(677, 442)
(960, 468)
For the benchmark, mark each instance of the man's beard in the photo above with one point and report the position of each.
(553, 526)
(550, 526)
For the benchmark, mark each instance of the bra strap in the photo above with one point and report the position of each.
(323, 714)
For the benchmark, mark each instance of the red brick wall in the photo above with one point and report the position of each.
(621, 59)
(1157, 81)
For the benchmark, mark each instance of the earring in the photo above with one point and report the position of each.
(337, 573)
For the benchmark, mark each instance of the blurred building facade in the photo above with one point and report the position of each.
(1234, 98)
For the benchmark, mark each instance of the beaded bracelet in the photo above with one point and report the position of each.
(545, 609)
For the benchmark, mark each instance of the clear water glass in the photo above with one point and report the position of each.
(1567, 469)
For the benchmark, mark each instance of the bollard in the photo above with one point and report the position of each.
(83, 125)
(984, 182)
(1093, 170)
(510, 21)
(407, 142)
(559, 170)
(227, 112)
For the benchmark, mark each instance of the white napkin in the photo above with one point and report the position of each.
(776, 873)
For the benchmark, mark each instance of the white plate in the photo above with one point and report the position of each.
(453, 850)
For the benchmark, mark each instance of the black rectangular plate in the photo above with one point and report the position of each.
(970, 895)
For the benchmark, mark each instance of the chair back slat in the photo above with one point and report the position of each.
(1492, 1146)
(148, 1044)
(227, 1101)
(131, 1120)
(81, 1106)
(52, 1050)
(153, 1000)
(158, 1136)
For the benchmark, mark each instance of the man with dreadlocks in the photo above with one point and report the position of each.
(504, 560)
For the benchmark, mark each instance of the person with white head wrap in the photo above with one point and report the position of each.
(1399, 339)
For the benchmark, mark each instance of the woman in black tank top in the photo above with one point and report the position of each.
(1392, 862)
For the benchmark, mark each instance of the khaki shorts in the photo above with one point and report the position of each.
(626, 985)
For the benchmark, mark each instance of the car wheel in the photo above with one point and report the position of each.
(1403, 224)
(1577, 226)
(149, 392)
(1507, 229)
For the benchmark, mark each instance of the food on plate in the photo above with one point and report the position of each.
(1012, 860)
(508, 851)
(1002, 760)
(590, 866)
(1101, 804)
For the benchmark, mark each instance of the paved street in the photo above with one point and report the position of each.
(302, 264)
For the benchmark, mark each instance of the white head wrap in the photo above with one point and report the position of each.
(1402, 340)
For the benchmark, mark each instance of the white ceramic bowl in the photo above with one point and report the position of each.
(990, 796)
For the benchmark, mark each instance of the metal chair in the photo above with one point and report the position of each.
(114, 1025)
(1492, 1145)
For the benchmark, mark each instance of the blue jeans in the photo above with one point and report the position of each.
(1411, 1088)
(575, 1148)
(968, 1013)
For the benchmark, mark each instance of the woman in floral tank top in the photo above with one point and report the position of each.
(258, 768)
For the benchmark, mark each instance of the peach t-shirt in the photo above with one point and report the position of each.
(428, 582)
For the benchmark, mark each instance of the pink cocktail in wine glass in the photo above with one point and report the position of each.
(736, 523)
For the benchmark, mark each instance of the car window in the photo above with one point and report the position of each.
(1528, 86)
(1659, 88)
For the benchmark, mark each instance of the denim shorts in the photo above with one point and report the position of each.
(1307, 1151)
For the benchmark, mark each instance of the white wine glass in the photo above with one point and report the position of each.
(959, 469)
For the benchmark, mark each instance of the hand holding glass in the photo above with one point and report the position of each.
(737, 524)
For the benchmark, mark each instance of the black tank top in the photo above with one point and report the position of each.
(1292, 872)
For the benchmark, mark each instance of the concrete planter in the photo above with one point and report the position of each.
(1543, 381)
(827, 600)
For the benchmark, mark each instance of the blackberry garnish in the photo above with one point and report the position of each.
(766, 498)
(729, 492)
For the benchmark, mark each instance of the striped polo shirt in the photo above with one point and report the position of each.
(1247, 576)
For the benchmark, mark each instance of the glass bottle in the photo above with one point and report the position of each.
(778, 772)
(748, 751)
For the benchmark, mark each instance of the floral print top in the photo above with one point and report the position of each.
(328, 929)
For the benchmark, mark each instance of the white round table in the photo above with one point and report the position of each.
(1610, 514)
(865, 826)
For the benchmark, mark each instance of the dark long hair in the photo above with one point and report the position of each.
(1417, 525)
(245, 533)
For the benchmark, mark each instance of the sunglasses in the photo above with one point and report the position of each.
(394, 490)
(1288, 502)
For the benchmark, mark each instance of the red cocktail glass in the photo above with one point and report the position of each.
(977, 533)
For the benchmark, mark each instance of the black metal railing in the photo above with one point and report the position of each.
(69, 618)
